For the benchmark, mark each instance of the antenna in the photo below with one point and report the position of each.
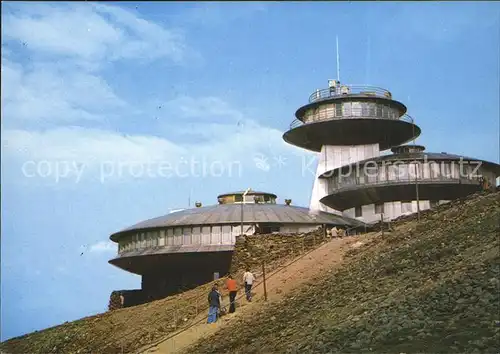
(368, 60)
(338, 59)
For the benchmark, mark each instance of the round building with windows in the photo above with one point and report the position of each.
(350, 126)
(189, 247)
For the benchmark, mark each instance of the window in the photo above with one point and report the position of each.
(187, 236)
(161, 239)
(403, 172)
(346, 109)
(170, 236)
(371, 173)
(238, 198)
(357, 212)
(445, 170)
(356, 110)
(338, 110)
(415, 170)
(382, 172)
(379, 208)
(406, 207)
(385, 112)
(266, 198)
(434, 169)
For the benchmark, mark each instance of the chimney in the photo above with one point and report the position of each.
(198, 204)
(288, 201)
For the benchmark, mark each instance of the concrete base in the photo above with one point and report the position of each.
(332, 157)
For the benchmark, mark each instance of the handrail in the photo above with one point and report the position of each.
(256, 284)
(296, 123)
(411, 179)
(343, 90)
(362, 115)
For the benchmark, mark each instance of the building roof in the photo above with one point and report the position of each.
(252, 213)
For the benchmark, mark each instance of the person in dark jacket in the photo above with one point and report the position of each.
(214, 304)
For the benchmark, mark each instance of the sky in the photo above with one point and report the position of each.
(113, 113)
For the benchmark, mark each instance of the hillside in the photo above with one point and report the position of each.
(431, 286)
(128, 329)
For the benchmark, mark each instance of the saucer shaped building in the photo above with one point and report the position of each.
(351, 126)
(190, 247)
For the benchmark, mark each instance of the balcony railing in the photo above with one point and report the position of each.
(343, 90)
(368, 182)
(354, 113)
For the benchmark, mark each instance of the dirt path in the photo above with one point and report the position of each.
(283, 281)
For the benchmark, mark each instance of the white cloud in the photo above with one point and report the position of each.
(47, 93)
(91, 32)
(97, 148)
(42, 102)
(202, 108)
(103, 247)
(85, 145)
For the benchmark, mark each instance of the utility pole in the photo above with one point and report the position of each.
(416, 173)
(243, 201)
(382, 223)
(416, 192)
(264, 279)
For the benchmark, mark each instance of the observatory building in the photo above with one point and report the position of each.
(356, 183)
(349, 126)
(187, 248)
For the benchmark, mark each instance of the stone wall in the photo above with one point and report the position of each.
(131, 298)
(273, 249)
(250, 251)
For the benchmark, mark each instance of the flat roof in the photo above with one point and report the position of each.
(224, 214)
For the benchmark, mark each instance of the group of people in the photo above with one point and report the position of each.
(334, 232)
(215, 297)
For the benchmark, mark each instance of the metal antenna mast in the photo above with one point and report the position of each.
(338, 59)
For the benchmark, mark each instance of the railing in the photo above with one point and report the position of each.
(296, 123)
(349, 90)
(306, 251)
(353, 113)
(374, 181)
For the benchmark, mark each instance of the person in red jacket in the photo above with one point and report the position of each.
(233, 290)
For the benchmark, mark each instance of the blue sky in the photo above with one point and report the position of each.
(97, 90)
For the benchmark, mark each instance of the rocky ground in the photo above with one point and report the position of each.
(126, 330)
(431, 286)
(279, 282)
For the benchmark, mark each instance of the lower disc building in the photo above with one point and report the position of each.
(190, 247)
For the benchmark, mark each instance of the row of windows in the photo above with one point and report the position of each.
(403, 172)
(406, 207)
(350, 109)
(238, 198)
(197, 235)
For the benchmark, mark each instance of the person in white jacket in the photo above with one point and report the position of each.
(248, 279)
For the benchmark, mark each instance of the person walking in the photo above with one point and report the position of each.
(248, 279)
(214, 304)
(232, 288)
